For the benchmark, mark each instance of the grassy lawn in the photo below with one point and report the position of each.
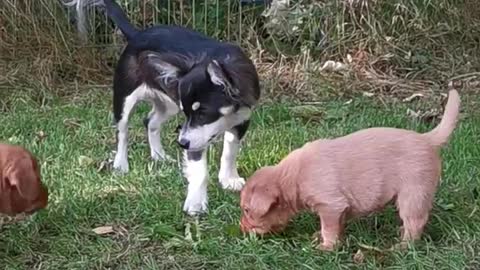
(144, 207)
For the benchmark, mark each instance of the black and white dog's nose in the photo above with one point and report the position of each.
(185, 144)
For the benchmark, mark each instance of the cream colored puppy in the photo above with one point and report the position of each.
(352, 176)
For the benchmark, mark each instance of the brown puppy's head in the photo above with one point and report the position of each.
(21, 190)
(264, 209)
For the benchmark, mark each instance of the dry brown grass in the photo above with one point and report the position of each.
(388, 48)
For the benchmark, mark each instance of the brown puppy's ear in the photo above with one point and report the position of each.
(23, 175)
(263, 202)
(4, 184)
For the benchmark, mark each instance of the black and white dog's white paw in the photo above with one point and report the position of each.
(232, 183)
(196, 171)
(120, 163)
(196, 202)
(228, 174)
(120, 167)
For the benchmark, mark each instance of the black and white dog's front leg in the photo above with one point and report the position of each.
(228, 175)
(153, 122)
(196, 171)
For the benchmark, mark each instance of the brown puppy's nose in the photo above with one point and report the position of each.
(44, 197)
(40, 203)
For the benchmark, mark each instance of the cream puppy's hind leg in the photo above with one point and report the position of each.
(414, 209)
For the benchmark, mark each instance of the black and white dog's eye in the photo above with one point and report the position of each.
(195, 106)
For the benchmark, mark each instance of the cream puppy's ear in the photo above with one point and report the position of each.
(262, 202)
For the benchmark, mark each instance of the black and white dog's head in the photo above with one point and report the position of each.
(214, 96)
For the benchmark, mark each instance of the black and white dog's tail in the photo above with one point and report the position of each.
(114, 12)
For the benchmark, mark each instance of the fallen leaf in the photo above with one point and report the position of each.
(333, 66)
(358, 258)
(71, 122)
(349, 58)
(402, 246)
(232, 230)
(308, 112)
(198, 230)
(6, 219)
(105, 165)
(412, 113)
(188, 232)
(85, 161)
(410, 98)
(120, 230)
(445, 205)
(14, 139)
(427, 116)
(112, 140)
(367, 247)
(174, 242)
(457, 84)
(103, 230)
(41, 135)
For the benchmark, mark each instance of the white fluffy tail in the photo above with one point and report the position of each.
(440, 134)
(113, 11)
(80, 6)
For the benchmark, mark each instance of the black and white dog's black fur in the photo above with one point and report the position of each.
(214, 83)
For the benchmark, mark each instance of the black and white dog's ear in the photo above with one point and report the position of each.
(168, 68)
(216, 73)
(219, 77)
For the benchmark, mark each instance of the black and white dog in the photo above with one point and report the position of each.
(214, 83)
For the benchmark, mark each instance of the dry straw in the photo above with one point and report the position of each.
(390, 47)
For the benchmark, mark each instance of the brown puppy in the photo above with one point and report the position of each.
(21, 190)
(352, 176)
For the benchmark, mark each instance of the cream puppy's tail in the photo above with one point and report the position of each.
(440, 134)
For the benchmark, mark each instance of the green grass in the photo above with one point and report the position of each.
(144, 206)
